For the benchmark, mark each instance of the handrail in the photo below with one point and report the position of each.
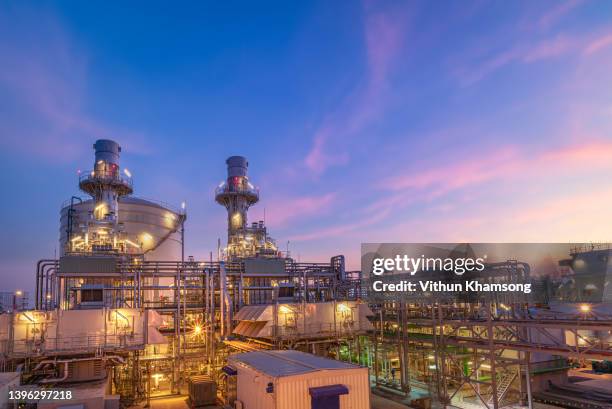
(106, 176)
(225, 188)
(83, 342)
(165, 205)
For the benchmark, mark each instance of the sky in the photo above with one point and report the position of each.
(365, 121)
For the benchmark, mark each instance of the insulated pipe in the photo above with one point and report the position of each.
(60, 379)
(226, 303)
(40, 271)
(48, 278)
(115, 358)
(48, 269)
(222, 283)
(38, 280)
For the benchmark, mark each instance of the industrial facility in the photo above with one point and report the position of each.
(122, 318)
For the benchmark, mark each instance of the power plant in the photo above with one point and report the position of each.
(122, 318)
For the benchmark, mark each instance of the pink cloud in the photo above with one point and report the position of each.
(45, 74)
(341, 229)
(556, 13)
(528, 52)
(505, 166)
(384, 33)
(532, 50)
(548, 48)
(477, 169)
(319, 158)
(562, 217)
(504, 163)
(284, 210)
(598, 44)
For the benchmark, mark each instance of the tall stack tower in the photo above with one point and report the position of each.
(105, 184)
(237, 194)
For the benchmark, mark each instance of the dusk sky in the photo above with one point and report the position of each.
(362, 122)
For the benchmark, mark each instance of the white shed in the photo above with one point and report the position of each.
(297, 380)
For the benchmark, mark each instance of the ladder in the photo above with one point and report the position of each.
(503, 384)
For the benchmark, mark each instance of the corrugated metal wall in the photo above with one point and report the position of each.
(251, 388)
(291, 392)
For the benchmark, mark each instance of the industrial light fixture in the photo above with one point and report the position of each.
(26, 317)
(343, 307)
(236, 220)
(131, 243)
(125, 320)
(284, 309)
(585, 308)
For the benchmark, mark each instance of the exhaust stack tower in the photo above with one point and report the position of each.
(236, 194)
(105, 184)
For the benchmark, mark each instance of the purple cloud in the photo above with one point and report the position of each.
(384, 32)
(45, 75)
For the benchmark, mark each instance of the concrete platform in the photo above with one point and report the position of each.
(378, 402)
(180, 402)
(174, 402)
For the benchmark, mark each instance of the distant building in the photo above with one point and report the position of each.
(14, 300)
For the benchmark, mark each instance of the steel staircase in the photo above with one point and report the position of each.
(504, 381)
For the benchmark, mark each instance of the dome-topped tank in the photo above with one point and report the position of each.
(155, 227)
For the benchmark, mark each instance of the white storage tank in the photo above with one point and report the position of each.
(155, 226)
(297, 380)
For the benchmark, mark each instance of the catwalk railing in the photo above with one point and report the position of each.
(73, 345)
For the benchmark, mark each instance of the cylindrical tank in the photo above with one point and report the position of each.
(236, 166)
(153, 225)
(107, 151)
